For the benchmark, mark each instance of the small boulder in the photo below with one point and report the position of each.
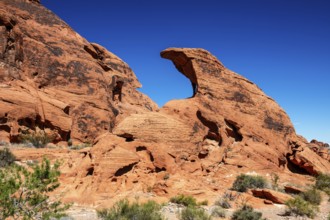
(268, 202)
(274, 196)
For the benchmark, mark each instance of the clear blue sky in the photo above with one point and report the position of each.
(281, 45)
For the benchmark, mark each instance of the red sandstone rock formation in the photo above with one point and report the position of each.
(274, 196)
(53, 79)
(50, 77)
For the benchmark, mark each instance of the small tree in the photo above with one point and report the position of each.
(24, 193)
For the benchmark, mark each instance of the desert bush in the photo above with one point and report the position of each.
(124, 210)
(229, 196)
(223, 202)
(193, 213)
(6, 157)
(312, 196)
(323, 183)
(184, 200)
(246, 213)
(218, 212)
(38, 139)
(204, 202)
(24, 193)
(299, 207)
(244, 182)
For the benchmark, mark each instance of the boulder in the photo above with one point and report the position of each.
(310, 161)
(274, 196)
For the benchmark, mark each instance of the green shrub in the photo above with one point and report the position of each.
(298, 206)
(38, 139)
(218, 212)
(123, 210)
(24, 194)
(204, 202)
(244, 182)
(246, 213)
(223, 202)
(323, 183)
(6, 157)
(184, 200)
(312, 196)
(329, 216)
(193, 213)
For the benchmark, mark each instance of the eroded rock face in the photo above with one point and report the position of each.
(53, 79)
(50, 77)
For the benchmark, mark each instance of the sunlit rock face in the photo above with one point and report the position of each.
(52, 78)
(55, 81)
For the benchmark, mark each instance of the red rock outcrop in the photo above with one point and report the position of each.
(52, 79)
(274, 196)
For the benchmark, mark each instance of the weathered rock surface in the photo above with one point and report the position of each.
(310, 162)
(52, 79)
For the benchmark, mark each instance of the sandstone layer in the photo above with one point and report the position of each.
(54, 80)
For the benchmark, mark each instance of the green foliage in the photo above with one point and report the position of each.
(6, 157)
(323, 183)
(298, 206)
(328, 217)
(38, 139)
(193, 213)
(204, 202)
(123, 210)
(246, 213)
(312, 196)
(184, 200)
(218, 212)
(24, 193)
(244, 182)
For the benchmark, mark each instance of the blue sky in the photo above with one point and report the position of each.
(281, 45)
